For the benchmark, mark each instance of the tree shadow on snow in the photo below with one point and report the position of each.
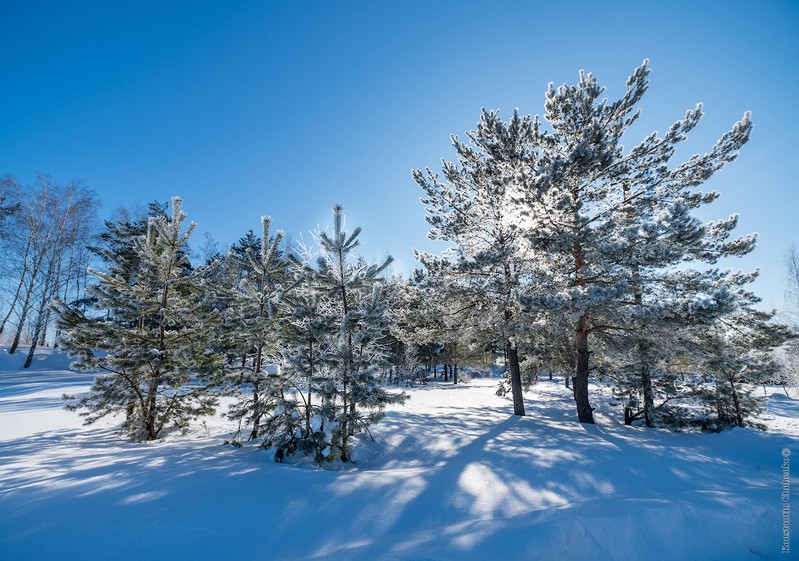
(466, 493)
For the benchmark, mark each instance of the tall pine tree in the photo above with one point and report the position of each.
(623, 222)
(476, 208)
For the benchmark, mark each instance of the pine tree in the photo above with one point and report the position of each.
(412, 342)
(477, 209)
(352, 398)
(736, 354)
(296, 424)
(248, 248)
(567, 226)
(332, 335)
(252, 322)
(117, 245)
(623, 219)
(145, 335)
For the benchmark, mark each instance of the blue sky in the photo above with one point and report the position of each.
(288, 108)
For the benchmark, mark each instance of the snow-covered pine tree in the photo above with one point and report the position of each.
(296, 423)
(251, 320)
(451, 317)
(737, 353)
(242, 252)
(116, 243)
(352, 398)
(412, 318)
(145, 335)
(672, 304)
(477, 209)
(623, 221)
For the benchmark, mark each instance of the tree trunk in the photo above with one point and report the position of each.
(130, 410)
(256, 414)
(55, 285)
(41, 317)
(455, 374)
(256, 383)
(646, 383)
(21, 325)
(19, 287)
(32, 350)
(737, 402)
(43, 336)
(515, 378)
(150, 416)
(643, 348)
(310, 387)
(585, 413)
(344, 425)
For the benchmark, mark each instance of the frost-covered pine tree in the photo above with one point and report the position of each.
(333, 348)
(351, 396)
(671, 305)
(252, 328)
(145, 335)
(249, 246)
(606, 235)
(623, 221)
(295, 423)
(117, 242)
(477, 208)
(735, 354)
(413, 329)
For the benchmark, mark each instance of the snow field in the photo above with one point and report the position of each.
(451, 475)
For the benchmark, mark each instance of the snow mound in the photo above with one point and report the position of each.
(44, 359)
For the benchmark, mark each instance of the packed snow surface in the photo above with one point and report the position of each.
(452, 475)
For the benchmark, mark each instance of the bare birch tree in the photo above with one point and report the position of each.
(45, 253)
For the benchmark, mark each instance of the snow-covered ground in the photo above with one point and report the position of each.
(452, 475)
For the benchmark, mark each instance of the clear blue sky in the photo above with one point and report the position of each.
(288, 108)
